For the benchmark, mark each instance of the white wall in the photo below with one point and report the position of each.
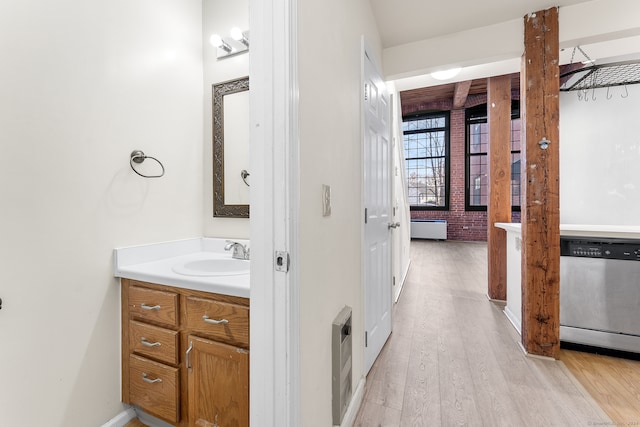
(84, 83)
(599, 157)
(219, 17)
(330, 153)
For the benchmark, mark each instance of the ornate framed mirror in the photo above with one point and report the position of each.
(231, 149)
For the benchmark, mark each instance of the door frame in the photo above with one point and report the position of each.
(274, 337)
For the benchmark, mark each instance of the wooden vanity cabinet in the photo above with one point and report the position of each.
(185, 354)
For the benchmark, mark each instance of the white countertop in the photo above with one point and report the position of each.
(154, 263)
(585, 230)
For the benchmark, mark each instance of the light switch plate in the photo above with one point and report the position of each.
(326, 200)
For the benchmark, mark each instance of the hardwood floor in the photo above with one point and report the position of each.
(454, 359)
(135, 423)
(613, 382)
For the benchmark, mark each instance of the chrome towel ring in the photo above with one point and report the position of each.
(138, 156)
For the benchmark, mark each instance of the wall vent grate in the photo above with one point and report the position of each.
(341, 348)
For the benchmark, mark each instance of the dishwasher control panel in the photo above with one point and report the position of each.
(600, 248)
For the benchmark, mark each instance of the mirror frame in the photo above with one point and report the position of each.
(220, 90)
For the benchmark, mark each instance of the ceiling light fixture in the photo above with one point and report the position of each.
(446, 74)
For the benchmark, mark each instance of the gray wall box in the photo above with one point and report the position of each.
(341, 344)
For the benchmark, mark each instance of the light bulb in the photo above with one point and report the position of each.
(236, 34)
(216, 40)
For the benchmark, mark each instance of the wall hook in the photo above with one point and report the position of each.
(626, 91)
(138, 156)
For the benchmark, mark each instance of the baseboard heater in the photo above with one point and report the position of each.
(429, 229)
(341, 383)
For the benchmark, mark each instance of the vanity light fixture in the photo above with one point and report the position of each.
(238, 43)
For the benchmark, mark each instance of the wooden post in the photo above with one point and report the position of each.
(540, 88)
(499, 181)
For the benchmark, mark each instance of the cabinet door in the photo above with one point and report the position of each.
(218, 384)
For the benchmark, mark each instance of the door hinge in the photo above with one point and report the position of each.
(282, 261)
(365, 215)
(366, 91)
(366, 339)
(394, 280)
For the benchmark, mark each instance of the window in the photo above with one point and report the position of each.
(477, 157)
(426, 151)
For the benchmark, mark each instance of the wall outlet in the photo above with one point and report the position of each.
(326, 200)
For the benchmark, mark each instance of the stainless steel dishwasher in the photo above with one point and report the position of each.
(600, 292)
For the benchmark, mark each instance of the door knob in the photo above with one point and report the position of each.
(393, 225)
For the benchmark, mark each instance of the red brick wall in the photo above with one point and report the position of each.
(461, 225)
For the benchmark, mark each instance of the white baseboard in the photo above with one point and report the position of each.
(513, 319)
(404, 278)
(354, 405)
(121, 419)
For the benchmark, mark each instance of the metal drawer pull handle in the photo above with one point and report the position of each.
(214, 321)
(144, 341)
(188, 362)
(149, 307)
(146, 379)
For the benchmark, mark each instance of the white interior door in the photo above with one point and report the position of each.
(377, 201)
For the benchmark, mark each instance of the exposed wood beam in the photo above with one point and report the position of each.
(540, 89)
(460, 94)
(499, 182)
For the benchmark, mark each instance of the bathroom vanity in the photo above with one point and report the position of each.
(185, 336)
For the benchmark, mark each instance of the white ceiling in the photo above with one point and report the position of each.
(406, 21)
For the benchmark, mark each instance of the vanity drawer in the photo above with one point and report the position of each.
(219, 320)
(155, 388)
(153, 305)
(153, 341)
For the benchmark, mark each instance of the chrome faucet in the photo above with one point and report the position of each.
(240, 251)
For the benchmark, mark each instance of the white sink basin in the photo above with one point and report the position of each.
(213, 267)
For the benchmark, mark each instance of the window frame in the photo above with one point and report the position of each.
(469, 113)
(447, 154)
